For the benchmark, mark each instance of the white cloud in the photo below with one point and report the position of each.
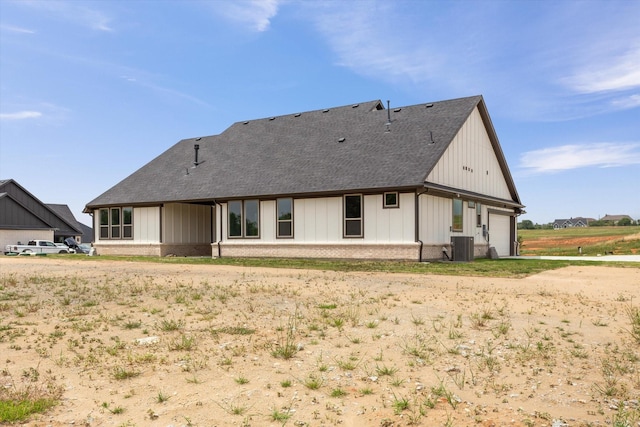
(20, 115)
(549, 69)
(256, 14)
(608, 73)
(627, 102)
(574, 156)
(359, 34)
(73, 11)
(14, 29)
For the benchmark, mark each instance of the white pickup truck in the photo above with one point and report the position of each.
(37, 247)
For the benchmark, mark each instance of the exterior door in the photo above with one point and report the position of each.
(500, 233)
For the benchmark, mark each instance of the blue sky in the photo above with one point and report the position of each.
(90, 91)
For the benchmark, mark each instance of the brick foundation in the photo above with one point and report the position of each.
(328, 251)
(156, 249)
(399, 251)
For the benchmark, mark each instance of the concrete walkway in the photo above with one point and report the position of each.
(604, 258)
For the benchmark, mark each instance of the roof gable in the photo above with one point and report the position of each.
(349, 148)
(22, 209)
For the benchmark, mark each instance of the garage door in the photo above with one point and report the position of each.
(500, 233)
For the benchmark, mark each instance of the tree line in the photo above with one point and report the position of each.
(529, 225)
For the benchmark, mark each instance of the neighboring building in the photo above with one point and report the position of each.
(24, 217)
(614, 219)
(60, 235)
(358, 181)
(572, 222)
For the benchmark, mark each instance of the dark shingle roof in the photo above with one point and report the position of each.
(333, 150)
(65, 213)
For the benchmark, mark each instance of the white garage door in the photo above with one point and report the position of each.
(500, 233)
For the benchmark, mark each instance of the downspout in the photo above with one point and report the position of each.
(220, 228)
(417, 227)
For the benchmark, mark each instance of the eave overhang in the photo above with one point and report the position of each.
(443, 190)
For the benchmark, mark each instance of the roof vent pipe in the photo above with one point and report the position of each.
(196, 147)
(388, 117)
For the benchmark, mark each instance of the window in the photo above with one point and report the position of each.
(251, 218)
(471, 204)
(116, 223)
(127, 223)
(478, 215)
(390, 200)
(235, 219)
(457, 215)
(104, 223)
(353, 216)
(244, 218)
(285, 218)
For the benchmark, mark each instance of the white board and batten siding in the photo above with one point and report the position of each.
(186, 223)
(319, 220)
(470, 162)
(182, 223)
(146, 226)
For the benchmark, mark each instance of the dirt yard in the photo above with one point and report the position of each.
(136, 344)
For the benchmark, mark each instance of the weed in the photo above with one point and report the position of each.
(501, 329)
(241, 380)
(338, 392)
(233, 330)
(168, 325)
(184, 343)
(285, 383)
(633, 313)
(385, 370)
(121, 373)
(162, 397)
(286, 347)
(397, 382)
(327, 306)
(117, 410)
(133, 324)
(418, 321)
(276, 415)
(313, 382)
(400, 404)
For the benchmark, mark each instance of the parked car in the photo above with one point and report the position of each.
(37, 247)
(85, 248)
(73, 246)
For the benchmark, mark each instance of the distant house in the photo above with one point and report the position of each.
(64, 212)
(24, 217)
(571, 222)
(614, 219)
(357, 181)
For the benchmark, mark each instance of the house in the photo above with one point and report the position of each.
(614, 219)
(24, 217)
(571, 222)
(357, 181)
(64, 212)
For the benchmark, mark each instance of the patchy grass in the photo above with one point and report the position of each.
(20, 399)
(479, 267)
